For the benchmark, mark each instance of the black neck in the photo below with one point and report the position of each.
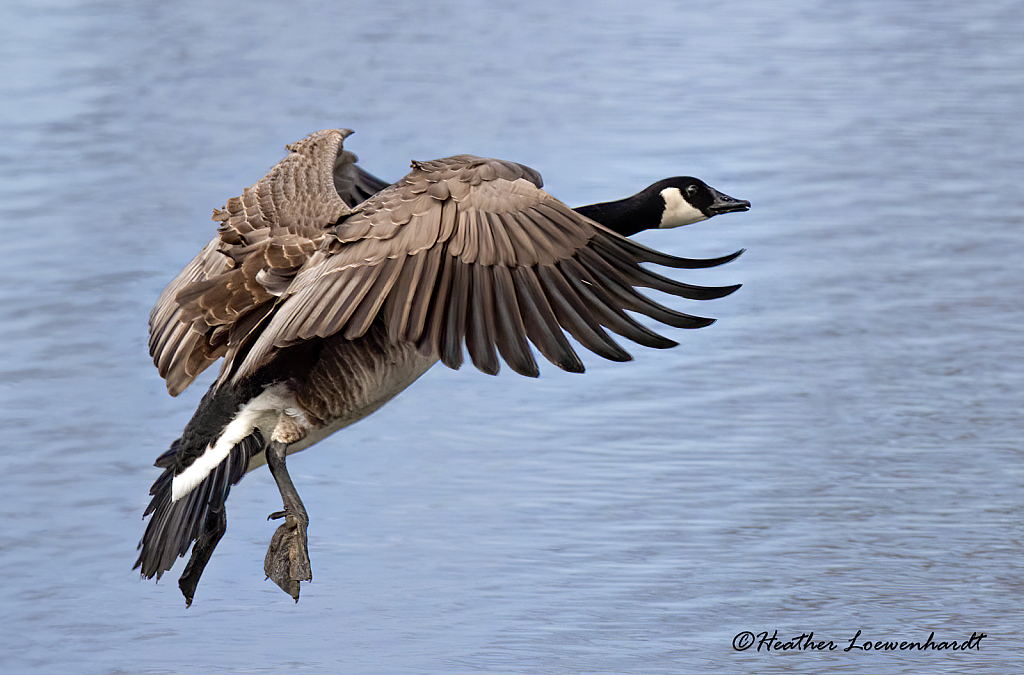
(626, 216)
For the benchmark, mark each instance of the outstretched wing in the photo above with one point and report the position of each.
(471, 251)
(265, 236)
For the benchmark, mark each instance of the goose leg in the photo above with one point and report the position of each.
(287, 561)
(214, 527)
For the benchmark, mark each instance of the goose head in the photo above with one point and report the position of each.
(686, 200)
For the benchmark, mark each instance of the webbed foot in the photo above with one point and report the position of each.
(287, 561)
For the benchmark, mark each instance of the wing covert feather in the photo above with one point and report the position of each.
(266, 235)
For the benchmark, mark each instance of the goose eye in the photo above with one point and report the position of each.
(691, 191)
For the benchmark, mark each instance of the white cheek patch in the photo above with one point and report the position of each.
(678, 211)
(262, 412)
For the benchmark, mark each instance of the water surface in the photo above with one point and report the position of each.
(840, 452)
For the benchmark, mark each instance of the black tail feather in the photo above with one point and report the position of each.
(174, 526)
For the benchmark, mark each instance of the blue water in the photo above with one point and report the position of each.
(840, 452)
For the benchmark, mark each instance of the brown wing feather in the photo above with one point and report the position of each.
(462, 253)
(470, 253)
(178, 351)
(511, 332)
(266, 235)
(481, 332)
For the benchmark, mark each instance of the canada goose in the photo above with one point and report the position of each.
(327, 292)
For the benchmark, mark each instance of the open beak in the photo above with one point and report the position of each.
(723, 203)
